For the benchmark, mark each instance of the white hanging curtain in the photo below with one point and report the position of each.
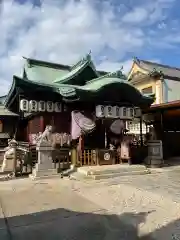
(117, 126)
(81, 124)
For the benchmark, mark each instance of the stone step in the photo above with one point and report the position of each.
(81, 176)
(120, 174)
(111, 169)
(32, 177)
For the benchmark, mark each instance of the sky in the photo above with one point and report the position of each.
(64, 31)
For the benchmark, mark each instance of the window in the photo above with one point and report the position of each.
(147, 90)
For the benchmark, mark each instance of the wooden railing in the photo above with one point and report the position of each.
(91, 157)
(87, 157)
(61, 158)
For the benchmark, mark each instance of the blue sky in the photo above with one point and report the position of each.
(64, 30)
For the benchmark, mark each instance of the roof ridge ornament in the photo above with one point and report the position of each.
(136, 59)
(156, 72)
(86, 58)
(116, 74)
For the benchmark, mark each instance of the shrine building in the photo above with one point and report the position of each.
(83, 105)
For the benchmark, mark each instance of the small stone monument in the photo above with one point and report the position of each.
(155, 154)
(44, 167)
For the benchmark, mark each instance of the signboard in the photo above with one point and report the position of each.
(115, 112)
(41, 106)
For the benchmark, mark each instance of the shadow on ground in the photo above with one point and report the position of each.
(63, 224)
(68, 225)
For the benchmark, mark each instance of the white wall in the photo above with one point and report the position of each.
(171, 90)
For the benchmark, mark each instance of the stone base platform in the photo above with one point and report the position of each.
(41, 174)
(110, 171)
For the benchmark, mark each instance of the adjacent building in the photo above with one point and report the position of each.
(153, 78)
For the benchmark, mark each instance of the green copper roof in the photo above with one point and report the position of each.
(115, 84)
(2, 99)
(81, 82)
(48, 73)
(76, 69)
(43, 74)
(5, 112)
(95, 84)
(73, 73)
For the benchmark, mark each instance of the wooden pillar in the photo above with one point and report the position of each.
(162, 125)
(162, 131)
(141, 134)
(42, 127)
(74, 156)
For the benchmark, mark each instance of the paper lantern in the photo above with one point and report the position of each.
(41, 106)
(130, 113)
(65, 108)
(137, 112)
(116, 112)
(33, 106)
(108, 111)
(24, 105)
(57, 107)
(100, 111)
(123, 113)
(49, 106)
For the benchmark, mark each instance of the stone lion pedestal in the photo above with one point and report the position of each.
(44, 167)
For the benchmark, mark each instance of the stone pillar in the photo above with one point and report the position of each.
(155, 154)
(44, 168)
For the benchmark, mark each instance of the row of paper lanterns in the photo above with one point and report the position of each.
(40, 106)
(116, 112)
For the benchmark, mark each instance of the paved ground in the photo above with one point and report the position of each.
(123, 208)
(166, 184)
(55, 209)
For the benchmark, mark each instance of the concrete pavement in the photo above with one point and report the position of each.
(54, 209)
(133, 207)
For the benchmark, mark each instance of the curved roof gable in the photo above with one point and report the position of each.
(80, 68)
(112, 87)
(163, 70)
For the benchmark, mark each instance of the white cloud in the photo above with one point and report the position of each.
(137, 15)
(113, 66)
(64, 30)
